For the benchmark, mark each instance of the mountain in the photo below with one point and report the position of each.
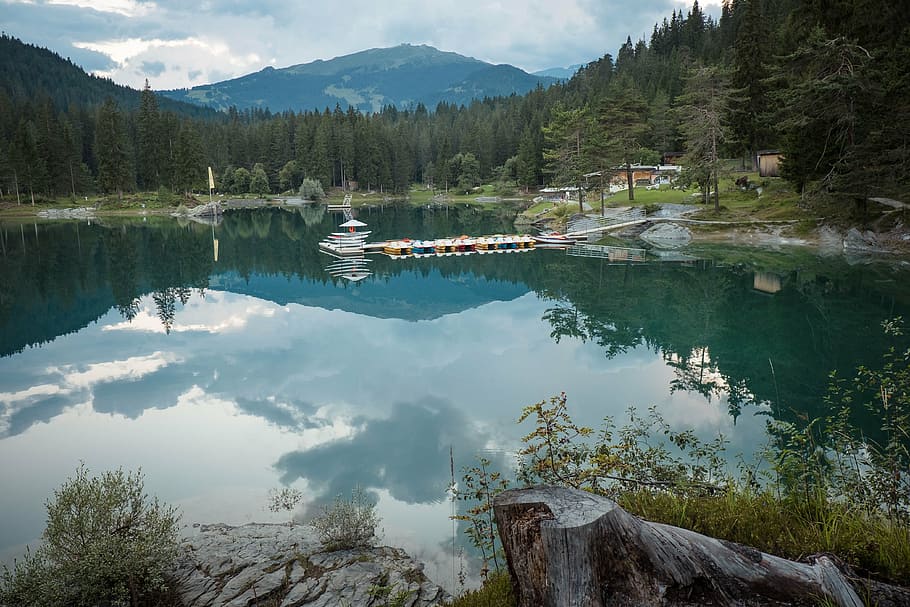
(562, 73)
(402, 76)
(29, 73)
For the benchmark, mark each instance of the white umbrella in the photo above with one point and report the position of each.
(353, 223)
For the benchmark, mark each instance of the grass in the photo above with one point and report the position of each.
(783, 527)
(495, 592)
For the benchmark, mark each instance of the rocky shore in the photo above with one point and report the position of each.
(284, 566)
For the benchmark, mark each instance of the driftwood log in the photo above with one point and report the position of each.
(570, 548)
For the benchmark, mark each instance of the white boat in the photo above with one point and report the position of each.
(554, 238)
(346, 243)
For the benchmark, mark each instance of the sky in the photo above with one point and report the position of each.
(176, 43)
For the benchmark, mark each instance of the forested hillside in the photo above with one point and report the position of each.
(825, 82)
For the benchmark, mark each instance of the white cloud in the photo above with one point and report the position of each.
(127, 8)
(130, 369)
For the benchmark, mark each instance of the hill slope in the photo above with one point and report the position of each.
(402, 76)
(29, 73)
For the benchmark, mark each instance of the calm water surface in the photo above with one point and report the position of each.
(126, 343)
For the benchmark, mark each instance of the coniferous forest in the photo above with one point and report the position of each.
(825, 82)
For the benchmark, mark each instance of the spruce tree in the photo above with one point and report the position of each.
(750, 102)
(148, 140)
(114, 169)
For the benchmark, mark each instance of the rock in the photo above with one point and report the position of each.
(861, 241)
(667, 235)
(282, 565)
(78, 213)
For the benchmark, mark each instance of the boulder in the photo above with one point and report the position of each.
(667, 235)
(284, 566)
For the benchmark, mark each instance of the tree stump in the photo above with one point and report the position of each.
(567, 547)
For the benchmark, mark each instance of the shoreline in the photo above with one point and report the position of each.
(825, 238)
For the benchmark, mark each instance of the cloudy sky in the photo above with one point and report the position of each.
(178, 43)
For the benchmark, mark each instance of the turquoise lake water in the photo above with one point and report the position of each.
(126, 343)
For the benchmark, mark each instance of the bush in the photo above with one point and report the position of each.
(106, 543)
(285, 498)
(311, 189)
(348, 523)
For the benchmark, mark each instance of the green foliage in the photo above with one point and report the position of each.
(828, 457)
(481, 485)
(259, 180)
(112, 151)
(558, 451)
(496, 591)
(240, 182)
(384, 595)
(311, 189)
(348, 523)
(829, 488)
(106, 542)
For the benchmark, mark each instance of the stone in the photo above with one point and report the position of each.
(263, 564)
(667, 235)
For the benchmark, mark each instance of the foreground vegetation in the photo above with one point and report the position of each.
(818, 486)
(106, 543)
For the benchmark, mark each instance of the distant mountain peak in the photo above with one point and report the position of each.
(402, 75)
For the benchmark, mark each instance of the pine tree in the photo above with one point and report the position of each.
(148, 140)
(190, 162)
(703, 113)
(622, 126)
(566, 145)
(750, 102)
(114, 169)
(29, 168)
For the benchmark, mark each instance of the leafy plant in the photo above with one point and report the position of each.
(285, 498)
(311, 189)
(481, 486)
(558, 451)
(348, 523)
(106, 543)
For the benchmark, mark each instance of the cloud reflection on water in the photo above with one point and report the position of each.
(244, 394)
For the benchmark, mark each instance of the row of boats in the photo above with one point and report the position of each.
(352, 242)
(461, 244)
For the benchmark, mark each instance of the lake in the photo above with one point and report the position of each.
(126, 342)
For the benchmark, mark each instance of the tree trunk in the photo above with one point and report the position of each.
(567, 547)
(629, 181)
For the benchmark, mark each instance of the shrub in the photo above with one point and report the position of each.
(311, 189)
(106, 543)
(285, 498)
(348, 523)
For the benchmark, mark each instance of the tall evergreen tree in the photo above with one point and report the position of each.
(190, 164)
(749, 109)
(148, 140)
(622, 125)
(703, 112)
(115, 173)
(29, 167)
(566, 144)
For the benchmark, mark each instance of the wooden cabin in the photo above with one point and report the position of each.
(768, 163)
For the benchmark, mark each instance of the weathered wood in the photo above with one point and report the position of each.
(890, 202)
(570, 548)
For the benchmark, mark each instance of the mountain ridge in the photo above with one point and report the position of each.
(402, 76)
